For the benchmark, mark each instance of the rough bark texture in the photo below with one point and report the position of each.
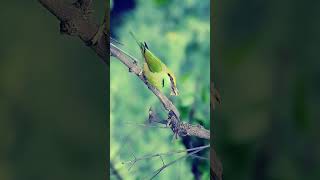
(75, 21)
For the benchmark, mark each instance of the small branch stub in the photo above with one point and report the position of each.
(74, 22)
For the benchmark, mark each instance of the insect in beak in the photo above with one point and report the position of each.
(174, 90)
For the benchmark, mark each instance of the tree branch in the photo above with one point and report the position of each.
(172, 162)
(85, 5)
(165, 154)
(133, 67)
(75, 22)
(177, 126)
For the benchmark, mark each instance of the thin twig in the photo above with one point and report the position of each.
(145, 125)
(165, 154)
(172, 162)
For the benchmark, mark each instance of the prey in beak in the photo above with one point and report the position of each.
(174, 89)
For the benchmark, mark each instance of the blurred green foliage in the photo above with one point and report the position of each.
(179, 34)
(54, 91)
(53, 99)
(267, 69)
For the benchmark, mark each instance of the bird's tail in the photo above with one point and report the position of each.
(140, 44)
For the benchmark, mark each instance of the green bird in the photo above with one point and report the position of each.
(155, 71)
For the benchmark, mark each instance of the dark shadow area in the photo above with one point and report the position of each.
(53, 99)
(267, 69)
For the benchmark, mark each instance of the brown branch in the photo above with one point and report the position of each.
(133, 67)
(181, 128)
(85, 5)
(75, 22)
(178, 127)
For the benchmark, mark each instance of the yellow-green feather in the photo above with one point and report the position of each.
(153, 62)
(155, 70)
(154, 78)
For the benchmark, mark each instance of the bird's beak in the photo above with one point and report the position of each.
(174, 91)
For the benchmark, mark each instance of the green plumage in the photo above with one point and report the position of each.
(156, 72)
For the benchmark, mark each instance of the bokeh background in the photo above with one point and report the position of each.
(179, 34)
(54, 90)
(53, 98)
(266, 57)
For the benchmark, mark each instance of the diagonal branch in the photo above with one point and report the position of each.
(131, 63)
(75, 22)
(177, 126)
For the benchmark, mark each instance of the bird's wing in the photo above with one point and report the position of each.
(154, 63)
(156, 79)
